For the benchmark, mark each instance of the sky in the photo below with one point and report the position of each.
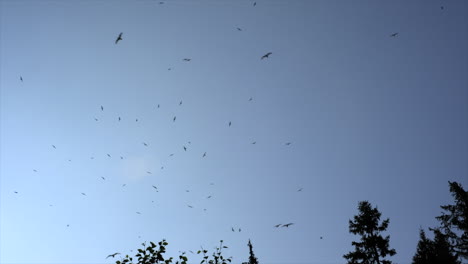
(368, 117)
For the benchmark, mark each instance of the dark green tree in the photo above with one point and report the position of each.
(373, 248)
(454, 220)
(435, 251)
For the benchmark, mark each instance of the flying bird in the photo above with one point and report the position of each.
(172, 154)
(96, 119)
(35, 170)
(239, 29)
(113, 255)
(108, 155)
(123, 185)
(155, 187)
(121, 157)
(138, 213)
(119, 38)
(229, 123)
(255, 142)
(190, 206)
(278, 225)
(119, 119)
(204, 155)
(266, 55)
(145, 144)
(240, 230)
(255, 3)
(232, 228)
(208, 197)
(394, 34)
(187, 59)
(180, 103)
(321, 237)
(288, 143)
(287, 225)
(299, 190)
(173, 120)
(136, 120)
(54, 146)
(84, 194)
(103, 178)
(158, 105)
(102, 108)
(250, 99)
(149, 172)
(16, 192)
(21, 78)
(185, 149)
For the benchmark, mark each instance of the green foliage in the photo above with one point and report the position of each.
(434, 251)
(373, 248)
(454, 220)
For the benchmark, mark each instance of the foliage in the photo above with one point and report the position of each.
(252, 258)
(434, 251)
(373, 248)
(454, 220)
(153, 254)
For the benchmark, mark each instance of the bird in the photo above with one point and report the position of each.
(162, 167)
(68, 225)
(287, 225)
(103, 178)
(394, 34)
(119, 38)
(239, 29)
(266, 55)
(190, 206)
(121, 157)
(138, 212)
(180, 103)
(145, 144)
(69, 160)
(232, 228)
(158, 105)
(255, 142)
(185, 148)
(113, 255)
(123, 185)
(240, 230)
(108, 155)
(172, 154)
(288, 143)
(187, 59)
(92, 158)
(96, 119)
(149, 172)
(84, 194)
(230, 123)
(187, 191)
(35, 170)
(119, 119)
(278, 225)
(102, 108)
(250, 99)
(321, 237)
(208, 197)
(21, 78)
(255, 3)
(155, 187)
(16, 192)
(54, 146)
(204, 155)
(173, 119)
(299, 190)
(136, 120)
(441, 7)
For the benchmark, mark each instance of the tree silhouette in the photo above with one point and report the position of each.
(434, 251)
(252, 258)
(373, 248)
(454, 220)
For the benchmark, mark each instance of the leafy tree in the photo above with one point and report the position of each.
(454, 220)
(373, 248)
(153, 254)
(434, 251)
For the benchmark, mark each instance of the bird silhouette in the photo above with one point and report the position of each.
(149, 172)
(190, 206)
(172, 154)
(394, 34)
(240, 230)
(255, 142)
(113, 255)
(299, 190)
(185, 149)
(103, 178)
(16, 192)
(187, 59)
(266, 55)
(321, 237)
(278, 225)
(288, 143)
(54, 146)
(232, 228)
(173, 119)
(123, 185)
(96, 119)
(250, 99)
(204, 155)
(121, 157)
(108, 155)
(208, 197)
(138, 213)
(84, 194)
(136, 120)
(239, 29)
(156, 188)
(158, 105)
(255, 3)
(230, 123)
(35, 170)
(119, 119)
(119, 38)
(102, 108)
(180, 103)
(21, 78)
(287, 225)
(145, 144)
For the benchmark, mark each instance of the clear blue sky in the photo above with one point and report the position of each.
(370, 117)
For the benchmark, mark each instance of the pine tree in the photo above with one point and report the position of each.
(252, 258)
(435, 251)
(373, 248)
(454, 220)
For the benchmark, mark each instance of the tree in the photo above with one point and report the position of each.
(454, 220)
(373, 248)
(434, 251)
(252, 258)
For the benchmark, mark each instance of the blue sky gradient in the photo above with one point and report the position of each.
(369, 117)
